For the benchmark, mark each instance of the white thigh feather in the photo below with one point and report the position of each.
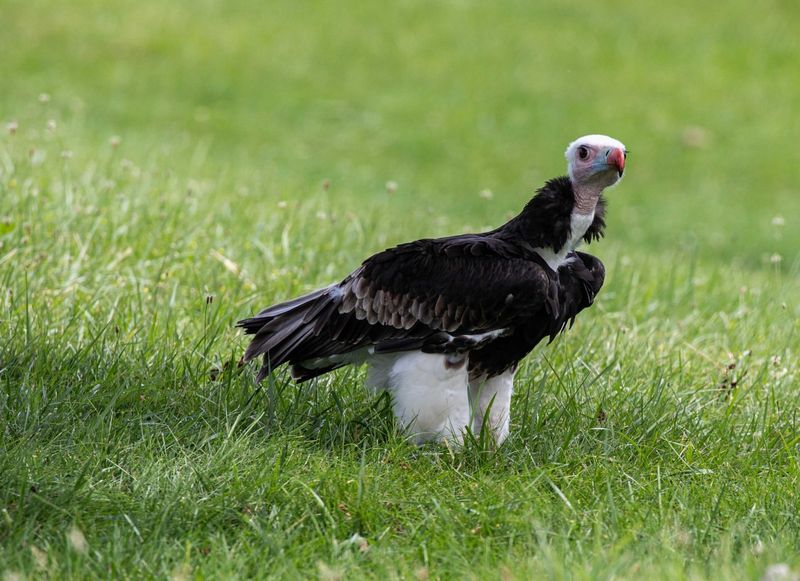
(492, 395)
(430, 395)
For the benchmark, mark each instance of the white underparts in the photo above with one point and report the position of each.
(430, 396)
(491, 402)
(579, 224)
(434, 400)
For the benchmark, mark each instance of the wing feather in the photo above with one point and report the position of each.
(453, 285)
(416, 294)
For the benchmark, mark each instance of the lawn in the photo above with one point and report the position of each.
(168, 168)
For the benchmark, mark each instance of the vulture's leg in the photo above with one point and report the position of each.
(492, 395)
(430, 395)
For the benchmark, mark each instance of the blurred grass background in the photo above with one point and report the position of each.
(444, 98)
(167, 168)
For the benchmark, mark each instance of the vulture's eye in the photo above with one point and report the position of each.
(583, 152)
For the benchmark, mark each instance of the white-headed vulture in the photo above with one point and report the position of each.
(443, 323)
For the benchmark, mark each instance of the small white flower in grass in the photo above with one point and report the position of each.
(486, 194)
(780, 373)
(778, 221)
(181, 573)
(775, 258)
(282, 204)
(51, 125)
(229, 264)
(76, 540)
(44, 98)
(114, 141)
(780, 572)
(758, 547)
(39, 557)
(328, 573)
(391, 186)
(12, 127)
(37, 156)
(322, 215)
(356, 541)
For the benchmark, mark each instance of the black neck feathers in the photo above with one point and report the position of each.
(546, 219)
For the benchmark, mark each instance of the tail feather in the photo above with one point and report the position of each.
(290, 332)
(253, 325)
(317, 308)
(312, 335)
(283, 350)
(301, 374)
(271, 335)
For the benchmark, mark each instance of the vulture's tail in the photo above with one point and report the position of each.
(287, 331)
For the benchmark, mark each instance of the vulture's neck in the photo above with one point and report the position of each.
(558, 218)
(586, 197)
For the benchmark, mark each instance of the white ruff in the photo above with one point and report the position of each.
(579, 224)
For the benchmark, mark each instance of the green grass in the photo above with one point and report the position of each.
(659, 438)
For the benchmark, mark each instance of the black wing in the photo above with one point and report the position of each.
(579, 281)
(402, 297)
(465, 284)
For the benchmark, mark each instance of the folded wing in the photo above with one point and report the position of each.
(422, 293)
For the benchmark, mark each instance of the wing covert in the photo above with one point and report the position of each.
(464, 284)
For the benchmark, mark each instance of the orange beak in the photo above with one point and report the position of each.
(616, 158)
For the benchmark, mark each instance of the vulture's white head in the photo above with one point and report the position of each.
(596, 160)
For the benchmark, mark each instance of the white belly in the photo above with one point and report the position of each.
(430, 395)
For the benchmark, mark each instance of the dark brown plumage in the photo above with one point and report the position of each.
(442, 296)
(443, 323)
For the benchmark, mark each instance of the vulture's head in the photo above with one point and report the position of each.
(596, 160)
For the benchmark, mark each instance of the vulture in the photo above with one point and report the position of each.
(442, 323)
